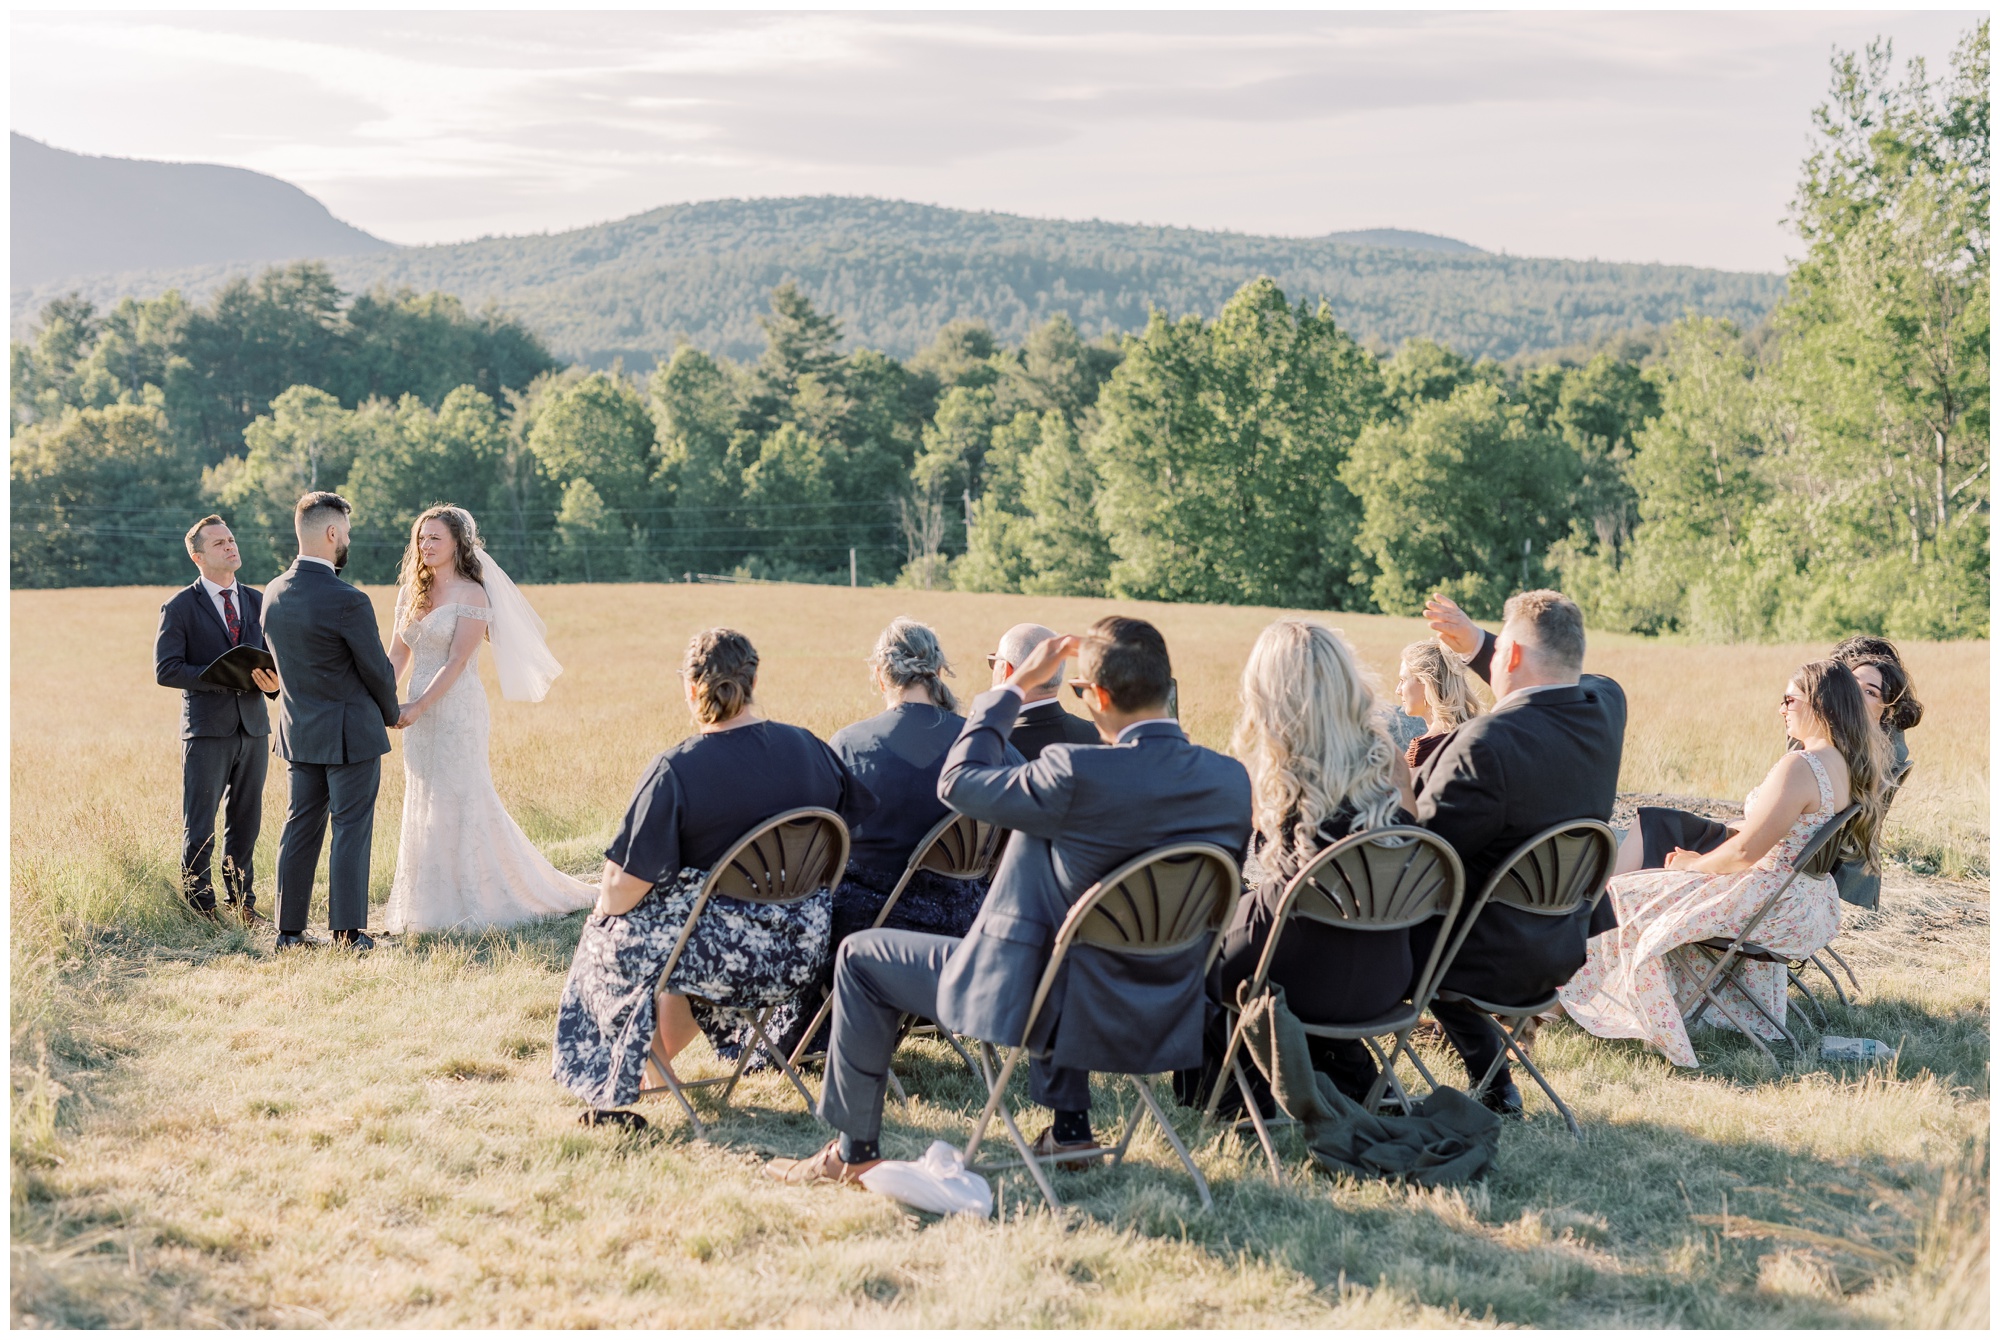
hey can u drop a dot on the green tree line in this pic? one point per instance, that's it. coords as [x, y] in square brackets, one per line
[1825, 473]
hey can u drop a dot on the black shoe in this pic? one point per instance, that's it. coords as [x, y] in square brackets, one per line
[359, 941]
[1501, 1096]
[631, 1121]
[286, 940]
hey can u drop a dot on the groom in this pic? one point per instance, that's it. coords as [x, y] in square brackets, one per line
[339, 697]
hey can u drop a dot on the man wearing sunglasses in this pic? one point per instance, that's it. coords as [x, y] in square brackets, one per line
[1042, 720]
[1076, 813]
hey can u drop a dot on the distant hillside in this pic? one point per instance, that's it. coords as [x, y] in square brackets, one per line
[78, 215]
[895, 272]
[1404, 239]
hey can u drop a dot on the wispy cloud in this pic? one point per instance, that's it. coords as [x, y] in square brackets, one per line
[1636, 136]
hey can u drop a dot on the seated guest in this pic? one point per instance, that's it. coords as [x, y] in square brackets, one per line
[1043, 721]
[1077, 812]
[1321, 769]
[898, 755]
[1885, 683]
[1431, 685]
[1641, 974]
[1885, 688]
[1547, 753]
[692, 805]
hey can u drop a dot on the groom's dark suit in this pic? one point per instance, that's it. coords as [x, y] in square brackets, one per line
[339, 700]
[224, 741]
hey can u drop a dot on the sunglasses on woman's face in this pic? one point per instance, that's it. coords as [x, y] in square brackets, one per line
[1791, 701]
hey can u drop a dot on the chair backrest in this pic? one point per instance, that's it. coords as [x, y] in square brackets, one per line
[1556, 871]
[789, 857]
[1385, 879]
[1157, 903]
[1820, 855]
[960, 847]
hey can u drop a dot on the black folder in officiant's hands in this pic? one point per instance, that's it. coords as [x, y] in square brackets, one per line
[231, 670]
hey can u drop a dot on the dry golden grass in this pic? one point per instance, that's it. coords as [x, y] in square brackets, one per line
[205, 1133]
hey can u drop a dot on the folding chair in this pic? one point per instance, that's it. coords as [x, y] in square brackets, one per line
[786, 860]
[1819, 957]
[1386, 879]
[957, 847]
[1556, 873]
[1727, 954]
[1152, 906]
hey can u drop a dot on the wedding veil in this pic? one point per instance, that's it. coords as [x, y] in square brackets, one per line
[521, 652]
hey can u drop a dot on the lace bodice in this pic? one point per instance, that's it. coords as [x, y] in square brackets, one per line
[1784, 854]
[429, 640]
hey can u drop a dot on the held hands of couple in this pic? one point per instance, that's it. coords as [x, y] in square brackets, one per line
[408, 716]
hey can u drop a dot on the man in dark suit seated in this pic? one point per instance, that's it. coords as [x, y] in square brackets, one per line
[225, 735]
[1547, 753]
[1077, 813]
[1042, 720]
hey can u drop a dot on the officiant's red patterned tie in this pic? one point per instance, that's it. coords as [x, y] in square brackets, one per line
[229, 617]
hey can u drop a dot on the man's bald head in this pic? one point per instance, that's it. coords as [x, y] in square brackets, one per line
[1015, 645]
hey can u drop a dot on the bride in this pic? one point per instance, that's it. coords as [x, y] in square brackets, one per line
[463, 863]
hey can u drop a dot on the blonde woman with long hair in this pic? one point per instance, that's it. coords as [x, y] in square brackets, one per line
[1322, 767]
[1432, 685]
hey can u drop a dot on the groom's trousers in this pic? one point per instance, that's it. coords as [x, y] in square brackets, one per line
[346, 793]
[878, 977]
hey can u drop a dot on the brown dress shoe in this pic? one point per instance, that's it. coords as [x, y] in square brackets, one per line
[825, 1166]
[1078, 1154]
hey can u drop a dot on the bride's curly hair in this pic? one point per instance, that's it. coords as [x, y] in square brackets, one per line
[416, 579]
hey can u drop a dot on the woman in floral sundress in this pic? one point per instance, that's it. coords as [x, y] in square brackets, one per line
[1641, 975]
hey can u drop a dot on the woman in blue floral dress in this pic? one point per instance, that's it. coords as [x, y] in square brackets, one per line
[693, 804]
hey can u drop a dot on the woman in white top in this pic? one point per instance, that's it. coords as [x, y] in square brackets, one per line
[463, 864]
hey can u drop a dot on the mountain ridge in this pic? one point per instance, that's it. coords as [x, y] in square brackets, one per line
[896, 271]
[79, 214]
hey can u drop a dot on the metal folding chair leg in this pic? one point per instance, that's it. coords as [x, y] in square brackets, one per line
[1511, 1042]
[1144, 1085]
[1715, 999]
[1256, 1121]
[1834, 954]
[673, 1086]
[1839, 992]
[1819, 1012]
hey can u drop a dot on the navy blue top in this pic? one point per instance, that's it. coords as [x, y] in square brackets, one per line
[898, 755]
[706, 792]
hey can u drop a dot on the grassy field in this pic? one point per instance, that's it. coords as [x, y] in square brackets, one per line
[204, 1133]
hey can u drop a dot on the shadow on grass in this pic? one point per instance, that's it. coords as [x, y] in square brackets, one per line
[1640, 1223]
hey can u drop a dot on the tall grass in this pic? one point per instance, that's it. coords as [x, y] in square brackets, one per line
[207, 1134]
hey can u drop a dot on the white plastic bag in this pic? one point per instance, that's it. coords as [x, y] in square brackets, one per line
[938, 1182]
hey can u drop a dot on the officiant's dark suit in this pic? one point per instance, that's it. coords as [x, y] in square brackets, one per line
[1544, 756]
[1076, 813]
[225, 740]
[339, 700]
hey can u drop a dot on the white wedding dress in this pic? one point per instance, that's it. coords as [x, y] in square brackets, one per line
[463, 864]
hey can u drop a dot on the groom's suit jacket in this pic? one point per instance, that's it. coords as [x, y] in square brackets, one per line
[1077, 812]
[339, 693]
[192, 635]
[1541, 758]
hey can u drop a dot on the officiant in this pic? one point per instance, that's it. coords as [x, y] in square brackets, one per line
[225, 732]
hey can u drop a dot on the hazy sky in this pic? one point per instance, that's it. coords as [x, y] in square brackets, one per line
[1624, 136]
